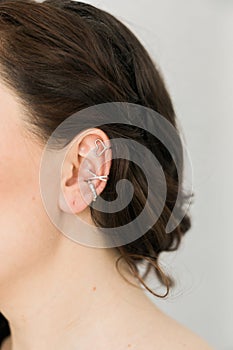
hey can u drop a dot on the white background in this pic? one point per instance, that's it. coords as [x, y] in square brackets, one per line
[192, 41]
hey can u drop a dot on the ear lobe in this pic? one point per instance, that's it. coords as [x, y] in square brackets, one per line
[71, 205]
[74, 194]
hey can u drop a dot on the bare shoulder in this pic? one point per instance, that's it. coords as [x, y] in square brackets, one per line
[178, 337]
[165, 333]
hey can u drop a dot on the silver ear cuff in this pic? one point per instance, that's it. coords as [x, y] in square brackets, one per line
[94, 176]
[93, 190]
[97, 147]
[97, 177]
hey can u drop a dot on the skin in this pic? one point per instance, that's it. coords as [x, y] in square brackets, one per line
[58, 294]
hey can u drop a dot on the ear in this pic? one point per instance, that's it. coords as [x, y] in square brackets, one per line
[75, 193]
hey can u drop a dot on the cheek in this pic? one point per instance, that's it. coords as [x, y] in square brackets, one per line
[24, 225]
[18, 185]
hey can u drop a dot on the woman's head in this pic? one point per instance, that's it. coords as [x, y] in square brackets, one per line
[57, 58]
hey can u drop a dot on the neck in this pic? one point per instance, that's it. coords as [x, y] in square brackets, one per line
[69, 300]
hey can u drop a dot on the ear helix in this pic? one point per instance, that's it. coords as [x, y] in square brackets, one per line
[94, 176]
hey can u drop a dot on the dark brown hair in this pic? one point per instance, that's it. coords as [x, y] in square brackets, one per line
[62, 56]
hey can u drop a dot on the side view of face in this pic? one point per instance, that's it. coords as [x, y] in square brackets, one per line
[28, 237]
[23, 239]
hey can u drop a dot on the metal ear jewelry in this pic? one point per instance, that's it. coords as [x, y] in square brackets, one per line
[103, 145]
[94, 176]
[93, 190]
[91, 185]
[97, 177]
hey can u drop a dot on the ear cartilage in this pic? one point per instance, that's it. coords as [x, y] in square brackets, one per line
[97, 147]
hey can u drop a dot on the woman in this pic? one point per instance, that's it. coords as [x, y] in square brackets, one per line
[57, 58]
